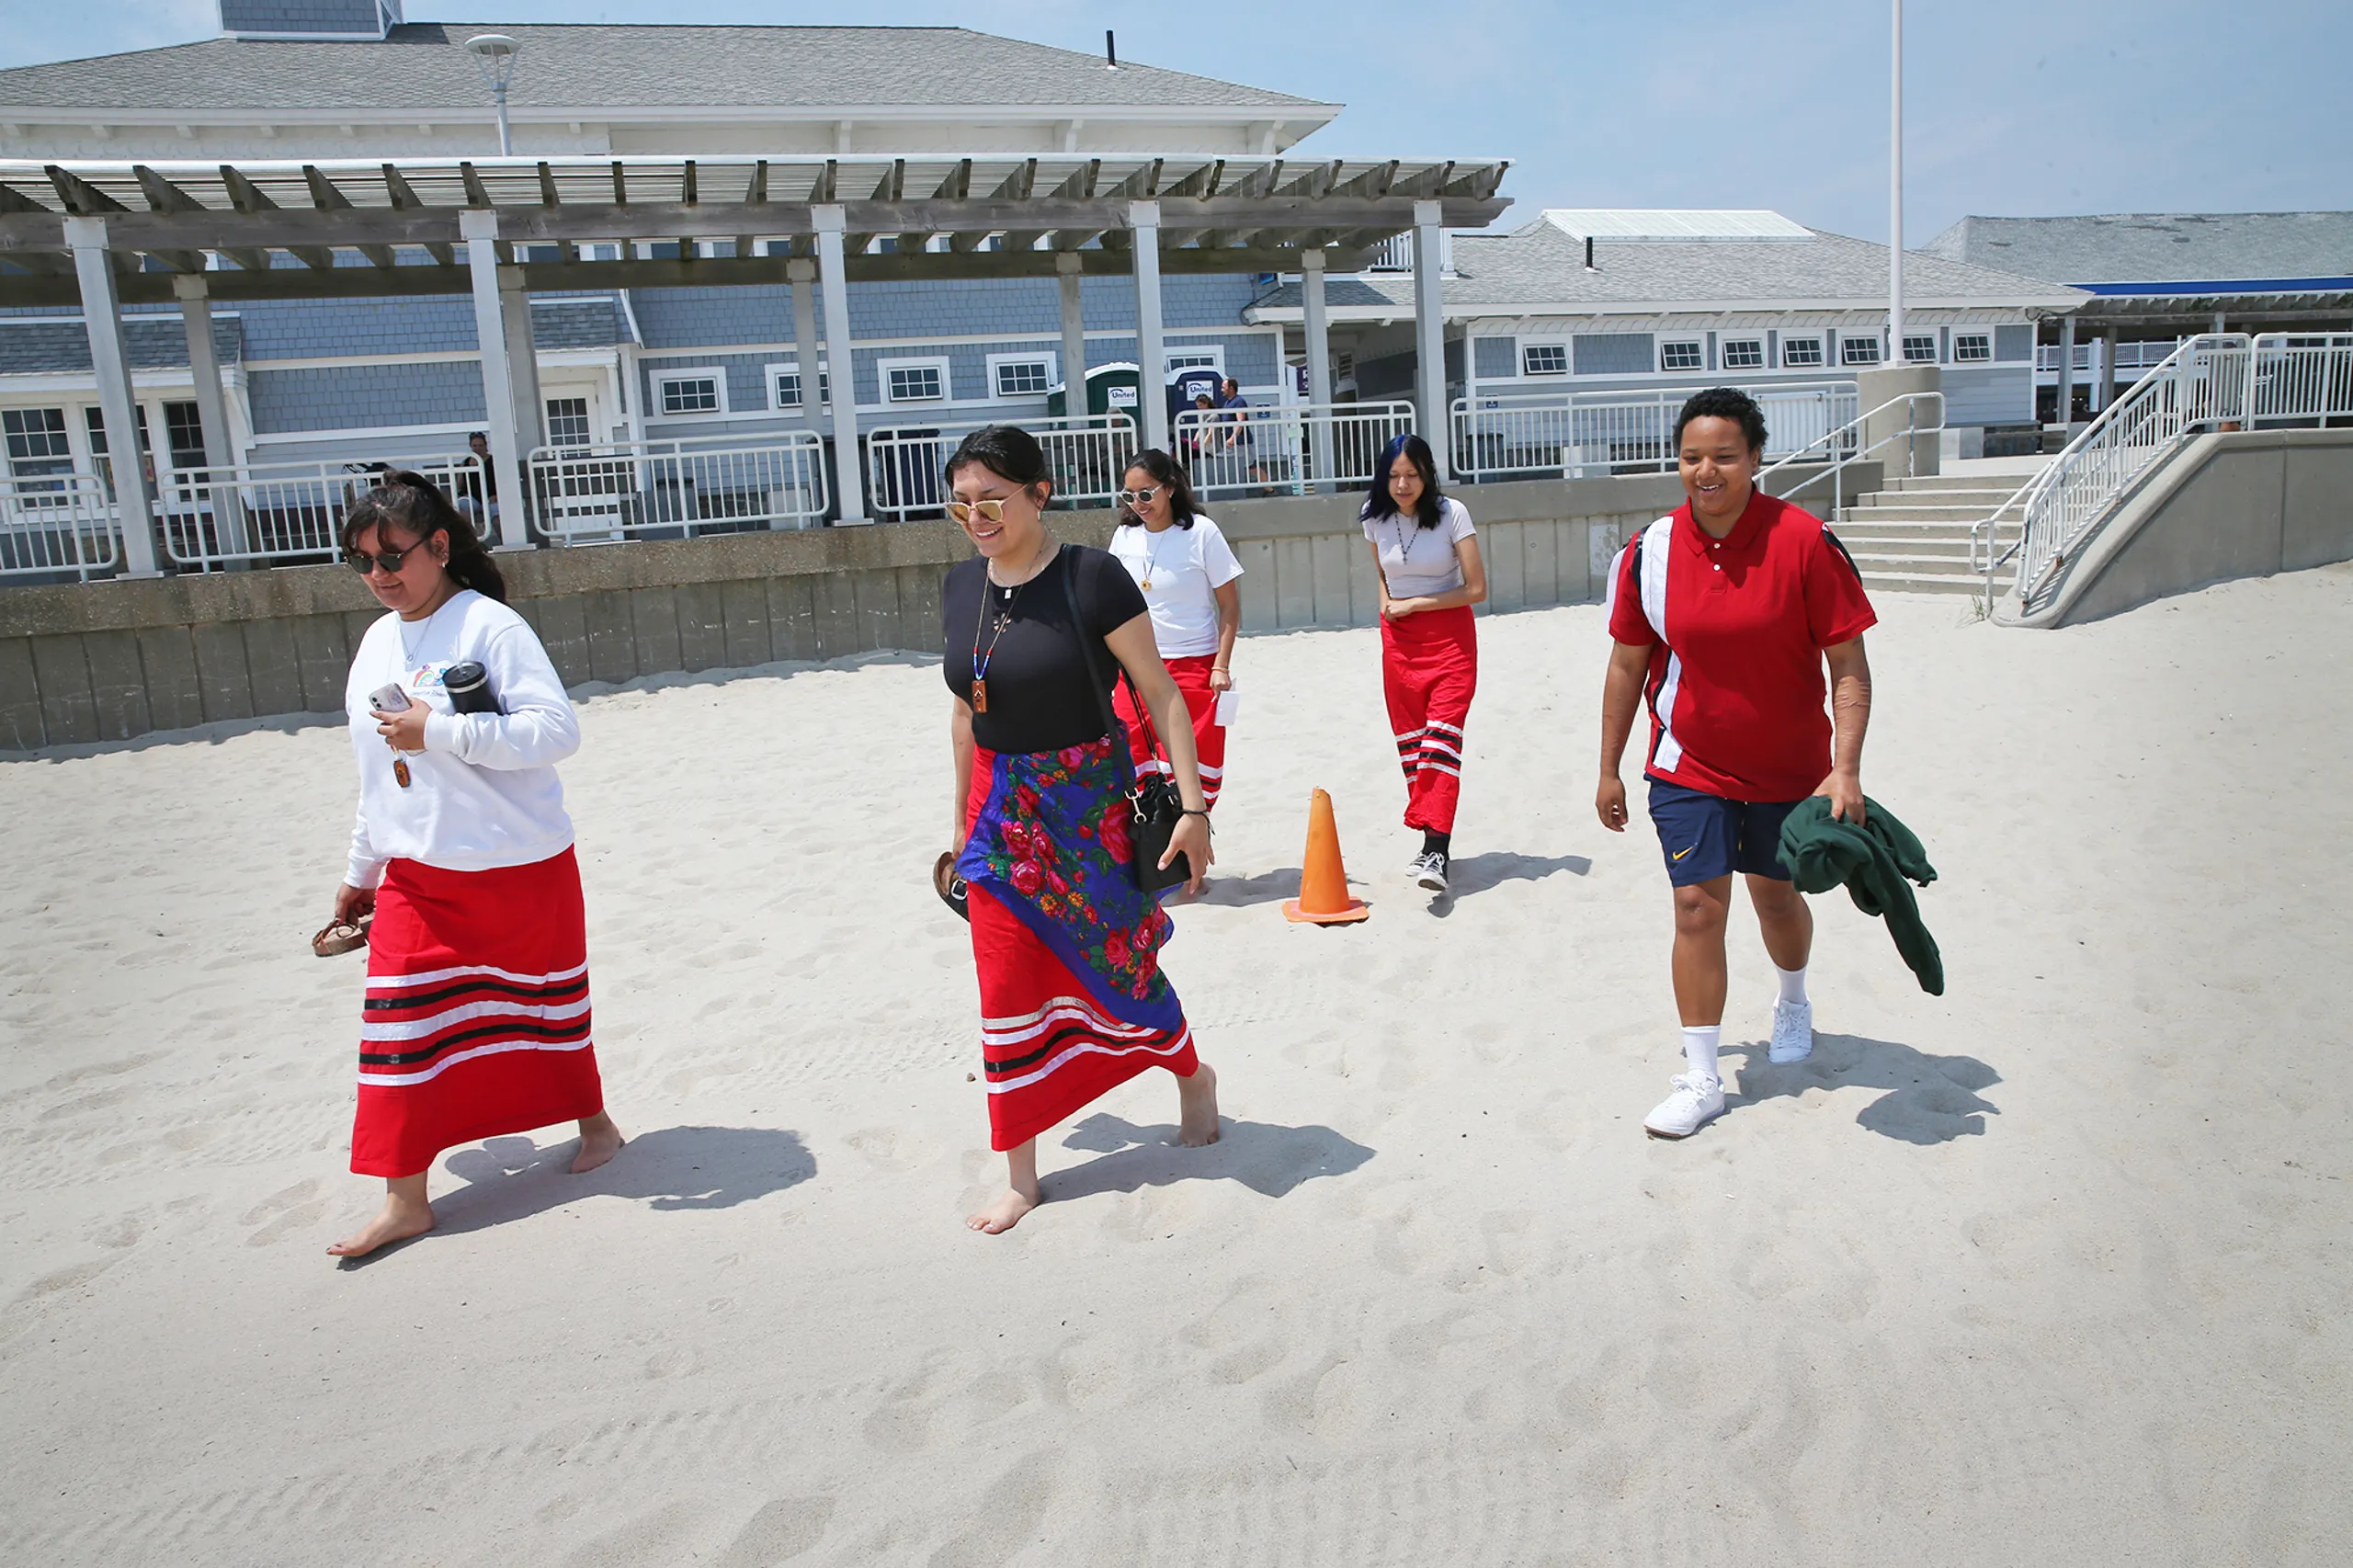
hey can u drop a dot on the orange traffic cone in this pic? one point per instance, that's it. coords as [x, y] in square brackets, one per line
[1323, 884]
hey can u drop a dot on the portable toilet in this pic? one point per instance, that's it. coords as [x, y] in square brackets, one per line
[1192, 381]
[1109, 389]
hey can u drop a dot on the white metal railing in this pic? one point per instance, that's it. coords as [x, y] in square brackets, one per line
[1086, 453]
[284, 512]
[677, 488]
[1908, 418]
[2297, 377]
[2208, 383]
[1285, 447]
[56, 525]
[1587, 435]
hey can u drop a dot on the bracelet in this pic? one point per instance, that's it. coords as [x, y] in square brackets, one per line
[1202, 813]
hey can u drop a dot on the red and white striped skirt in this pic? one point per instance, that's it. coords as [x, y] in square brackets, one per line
[1429, 671]
[477, 1023]
[1192, 677]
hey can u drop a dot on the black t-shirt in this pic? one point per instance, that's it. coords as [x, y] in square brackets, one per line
[1039, 695]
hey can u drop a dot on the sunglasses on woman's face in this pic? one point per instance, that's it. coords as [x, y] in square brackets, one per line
[965, 511]
[389, 560]
[1139, 497]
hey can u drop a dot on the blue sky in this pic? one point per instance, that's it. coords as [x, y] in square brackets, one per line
[2012, 106]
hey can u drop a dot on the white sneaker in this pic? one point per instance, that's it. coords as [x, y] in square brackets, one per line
[1792, 1032]
[1429, 869]
[1697, 1100]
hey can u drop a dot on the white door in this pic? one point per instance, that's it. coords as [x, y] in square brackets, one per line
[581, 486]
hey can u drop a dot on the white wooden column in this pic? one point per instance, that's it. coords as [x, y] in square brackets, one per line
[479, 227]
[2107, 346]
[833, 279]
[1319, 364]
[1067, 273]
[1151, 360]
[1430, 330]
[102, 314]
[195, 296]
[522, 362]
[2066, 402]
[802, 272]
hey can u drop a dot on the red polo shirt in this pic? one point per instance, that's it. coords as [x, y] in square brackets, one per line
[1737, 626]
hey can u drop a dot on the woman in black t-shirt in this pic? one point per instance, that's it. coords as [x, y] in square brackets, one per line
[1073, 1002]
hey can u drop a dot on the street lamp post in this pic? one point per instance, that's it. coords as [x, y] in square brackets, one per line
[495, 54]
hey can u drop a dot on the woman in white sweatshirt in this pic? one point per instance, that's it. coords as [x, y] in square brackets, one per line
[476, 1022]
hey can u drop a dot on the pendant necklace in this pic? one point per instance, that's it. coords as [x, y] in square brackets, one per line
[408, 655]
[1150, 560]
[981, 656]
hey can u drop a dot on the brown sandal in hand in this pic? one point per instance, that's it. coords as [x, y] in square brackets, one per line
[949, 885]
[342, 935]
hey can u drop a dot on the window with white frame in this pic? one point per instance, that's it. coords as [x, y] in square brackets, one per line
[1682, 353]
[1798, 353]
[1858, 351]
[1543, 359]
[1743, 353]
[784, 385]
[1972, 347]
[913, 380]
[1020, 375]
[1920, 348]
[1198, 359]
[681, 394]
[37, 449]
[567, 422]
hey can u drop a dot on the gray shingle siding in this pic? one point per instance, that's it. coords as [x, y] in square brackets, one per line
[1988, 395]
[156, 342]
[1613, 354]
[1496, 356]
[355, 17]
[2013, 343]
[312, 329]
[365, 396]
[577, 323]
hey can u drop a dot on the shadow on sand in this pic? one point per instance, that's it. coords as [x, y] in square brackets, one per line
[1473, 873]
[1928, 1099]
[1261, 1157]
[671, 1168]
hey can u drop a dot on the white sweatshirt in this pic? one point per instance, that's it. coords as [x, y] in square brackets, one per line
[484, 792]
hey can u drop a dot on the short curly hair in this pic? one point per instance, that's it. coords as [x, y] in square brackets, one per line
[1724, 402]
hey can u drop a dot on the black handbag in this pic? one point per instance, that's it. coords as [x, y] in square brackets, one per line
[1157, 805]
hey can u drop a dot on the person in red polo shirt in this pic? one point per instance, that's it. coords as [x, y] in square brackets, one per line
[1724, 614]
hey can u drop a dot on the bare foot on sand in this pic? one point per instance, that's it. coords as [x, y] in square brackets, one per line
[401, 1218]
[1002, 1215]
[1197, 1126]
[599, 1141]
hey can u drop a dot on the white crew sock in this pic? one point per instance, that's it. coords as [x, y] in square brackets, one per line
[1700, 1049]
[1792, 983]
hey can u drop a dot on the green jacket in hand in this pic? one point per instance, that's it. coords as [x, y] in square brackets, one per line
[1873, 861]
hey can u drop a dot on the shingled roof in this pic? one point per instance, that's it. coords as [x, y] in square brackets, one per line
[423, 65]
[1538, 269]
[2159, 247]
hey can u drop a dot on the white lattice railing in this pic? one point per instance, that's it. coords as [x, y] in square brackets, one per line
[1590, 435]
[678, 488]
[1285, 447]
[1086, 455]
[55, 526]
[283, 513]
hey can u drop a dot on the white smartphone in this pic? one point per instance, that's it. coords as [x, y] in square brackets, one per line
[387, 699]
[1229, 704]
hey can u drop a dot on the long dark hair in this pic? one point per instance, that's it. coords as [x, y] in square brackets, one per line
[1378, 503]
[416, 506]
[1007, 451]
[1167, 470]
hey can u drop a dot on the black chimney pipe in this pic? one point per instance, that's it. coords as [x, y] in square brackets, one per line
[1110, 51]
[1588, 254]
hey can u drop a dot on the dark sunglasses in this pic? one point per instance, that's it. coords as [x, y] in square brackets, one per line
[391, 560]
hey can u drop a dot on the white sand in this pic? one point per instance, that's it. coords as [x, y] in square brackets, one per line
[2052, 1269]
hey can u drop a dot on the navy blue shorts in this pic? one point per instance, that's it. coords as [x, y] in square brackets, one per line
[1705, 836]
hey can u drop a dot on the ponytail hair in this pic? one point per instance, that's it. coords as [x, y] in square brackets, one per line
[418, 508]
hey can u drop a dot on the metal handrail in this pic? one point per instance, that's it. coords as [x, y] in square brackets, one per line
[1086, 454]
[1566, 433]
[678, 487]
[1846, 445]
[57, 525]
[214, 518]
[1285, 447]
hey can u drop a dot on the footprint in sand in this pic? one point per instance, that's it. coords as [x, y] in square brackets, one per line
[285, 1211]
[780, 1529]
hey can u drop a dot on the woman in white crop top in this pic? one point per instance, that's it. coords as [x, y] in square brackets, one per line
[1190, 582]
[1427, 557]
[476, 1022]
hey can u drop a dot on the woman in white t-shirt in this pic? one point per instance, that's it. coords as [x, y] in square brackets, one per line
[476, 1022]
[1188, 574]
[1425, 550]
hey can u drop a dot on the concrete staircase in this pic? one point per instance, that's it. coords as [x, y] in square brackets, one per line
[1913, 536]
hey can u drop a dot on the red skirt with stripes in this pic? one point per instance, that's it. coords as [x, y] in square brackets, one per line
[1429, 671]
[477, 1023]
[1192, 677]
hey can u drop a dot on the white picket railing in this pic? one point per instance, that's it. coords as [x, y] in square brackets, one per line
[2211, 383]
[1589, 435]
[1908, 418]
[1086, 455]
[57, 525]
[1285, 447]
[677, 488]
[283, 513]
